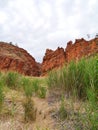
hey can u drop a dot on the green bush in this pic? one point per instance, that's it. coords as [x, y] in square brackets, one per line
[36, 85]
[75, 78]
[27, 86]
[12, 80]
[28, 105]
[56, 79]
[75, 84]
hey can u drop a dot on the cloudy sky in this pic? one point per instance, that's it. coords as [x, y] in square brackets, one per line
[39, 24]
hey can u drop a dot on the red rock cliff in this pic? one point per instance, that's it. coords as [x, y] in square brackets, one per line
[81, 48]
[53, 59]
[17, 59]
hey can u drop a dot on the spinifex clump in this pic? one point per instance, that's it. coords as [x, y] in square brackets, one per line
[29, 109]
[12, 80]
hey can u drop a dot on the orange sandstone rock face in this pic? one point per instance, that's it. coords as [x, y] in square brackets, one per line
[81, 48]
[53, 59]
[13, 58]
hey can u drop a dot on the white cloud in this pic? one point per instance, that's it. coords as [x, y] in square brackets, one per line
[39, 24]
[2, 17]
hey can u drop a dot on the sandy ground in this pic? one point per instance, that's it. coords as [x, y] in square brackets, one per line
[13, 113]
[12, 116]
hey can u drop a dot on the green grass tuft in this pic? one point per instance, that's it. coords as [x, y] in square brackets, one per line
[12, 80]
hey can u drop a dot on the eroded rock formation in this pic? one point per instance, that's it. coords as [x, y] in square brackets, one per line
[17, 59]
[53, 59]
[81, 48]
[74, 51]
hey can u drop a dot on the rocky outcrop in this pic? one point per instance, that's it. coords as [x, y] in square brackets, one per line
[74, 51]
[13, 58]
[53, 59]
[81, 48]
